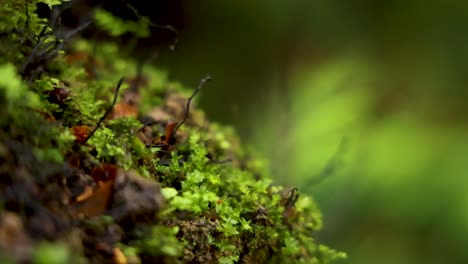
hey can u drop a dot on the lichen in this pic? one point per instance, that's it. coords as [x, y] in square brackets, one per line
[221, 204]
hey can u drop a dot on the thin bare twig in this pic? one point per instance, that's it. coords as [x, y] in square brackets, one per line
[147, 21]
[187, 109]
[189, 101]
[116, 95]
[46, 51]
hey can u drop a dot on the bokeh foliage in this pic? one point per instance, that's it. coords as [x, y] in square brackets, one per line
[387, 79]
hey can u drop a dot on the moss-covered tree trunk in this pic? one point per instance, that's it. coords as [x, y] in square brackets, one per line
[97, 170]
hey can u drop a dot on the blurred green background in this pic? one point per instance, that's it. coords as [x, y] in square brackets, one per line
[359, 103]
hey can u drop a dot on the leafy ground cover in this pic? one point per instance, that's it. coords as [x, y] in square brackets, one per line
[105, 160]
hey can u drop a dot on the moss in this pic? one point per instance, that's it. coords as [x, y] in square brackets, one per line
[221, 204]
[55, 253]
[116, 26]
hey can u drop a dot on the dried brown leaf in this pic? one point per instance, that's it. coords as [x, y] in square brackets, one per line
[81, 133]
[119, 257]
[87, 193]
[98, 202]
[123, 110]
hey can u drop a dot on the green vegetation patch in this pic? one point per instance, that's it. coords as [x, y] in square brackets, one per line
[100, 170]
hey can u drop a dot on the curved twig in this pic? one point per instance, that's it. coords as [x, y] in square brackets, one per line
[147, 21]
[116, 94]
[189, 101]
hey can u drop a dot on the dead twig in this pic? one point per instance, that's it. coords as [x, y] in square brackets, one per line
[189, 101]
[147, 21]
[45, 51]
[116, 95]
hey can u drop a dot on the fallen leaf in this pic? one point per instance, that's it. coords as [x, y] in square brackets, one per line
[124, 109]
[104, 172]
[87, 193]
[169, 130]
[127, 196]
[98, 202]
[81, 133]
[119, 257]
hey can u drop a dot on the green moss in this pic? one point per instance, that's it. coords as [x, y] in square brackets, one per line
[55, 253]
[116, 26]
[222, 206]
[159, 241]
